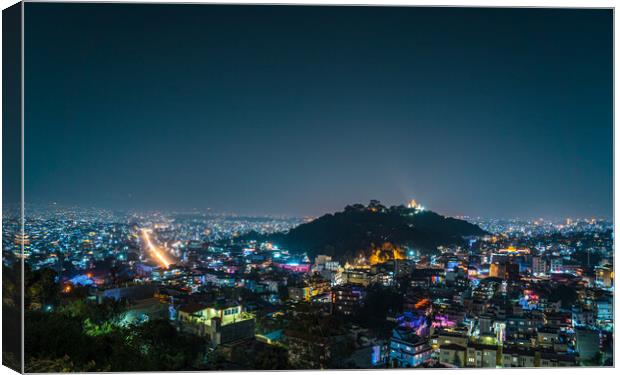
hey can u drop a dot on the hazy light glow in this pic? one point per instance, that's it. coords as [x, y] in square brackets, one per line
[154, 249]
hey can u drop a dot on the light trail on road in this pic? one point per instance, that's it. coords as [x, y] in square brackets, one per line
[153, 249]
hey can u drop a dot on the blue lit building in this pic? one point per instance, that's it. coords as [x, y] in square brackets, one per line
[408, 349]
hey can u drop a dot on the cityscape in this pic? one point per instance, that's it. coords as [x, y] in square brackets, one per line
[518, 293]
[192, 187]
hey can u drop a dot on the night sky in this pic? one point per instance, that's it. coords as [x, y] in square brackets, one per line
[302, 110]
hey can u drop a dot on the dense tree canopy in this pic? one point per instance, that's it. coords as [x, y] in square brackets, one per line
[360, 228]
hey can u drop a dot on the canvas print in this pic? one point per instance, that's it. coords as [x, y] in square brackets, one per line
[277, 187]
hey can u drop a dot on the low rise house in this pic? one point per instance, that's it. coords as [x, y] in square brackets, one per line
[221, 321]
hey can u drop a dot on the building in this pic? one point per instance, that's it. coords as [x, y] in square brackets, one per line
[552, 359]
[447, 338]
[497, 270]
[22, 241]
[355, 276]
[426, 277]
[547, 337]
[408, 349]
[513, 356]
[504, 270]
[557, 265]
[539, 266]
[369, 354]
[130, 292]
[325, 262]
[309, 351]
[485, 323]
[605, 311]
[347, 299]
[587, 343]
[583, 316]
[221, 322]
[481, 355]
[452, 355]
[605, 276]
[318, 285]
[299, 293]
[521, 326]
[143, 310]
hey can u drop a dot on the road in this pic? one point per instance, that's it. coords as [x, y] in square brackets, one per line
[154, 250]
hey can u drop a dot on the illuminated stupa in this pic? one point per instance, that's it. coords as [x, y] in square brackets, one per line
[415, 205]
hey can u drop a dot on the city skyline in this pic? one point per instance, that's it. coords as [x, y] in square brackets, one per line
[474, 112]
[50, 207]
[193, 187]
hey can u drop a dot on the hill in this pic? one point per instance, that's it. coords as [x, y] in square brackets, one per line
[373, 229]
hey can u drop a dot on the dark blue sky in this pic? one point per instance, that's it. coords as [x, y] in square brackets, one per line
[302, 110]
